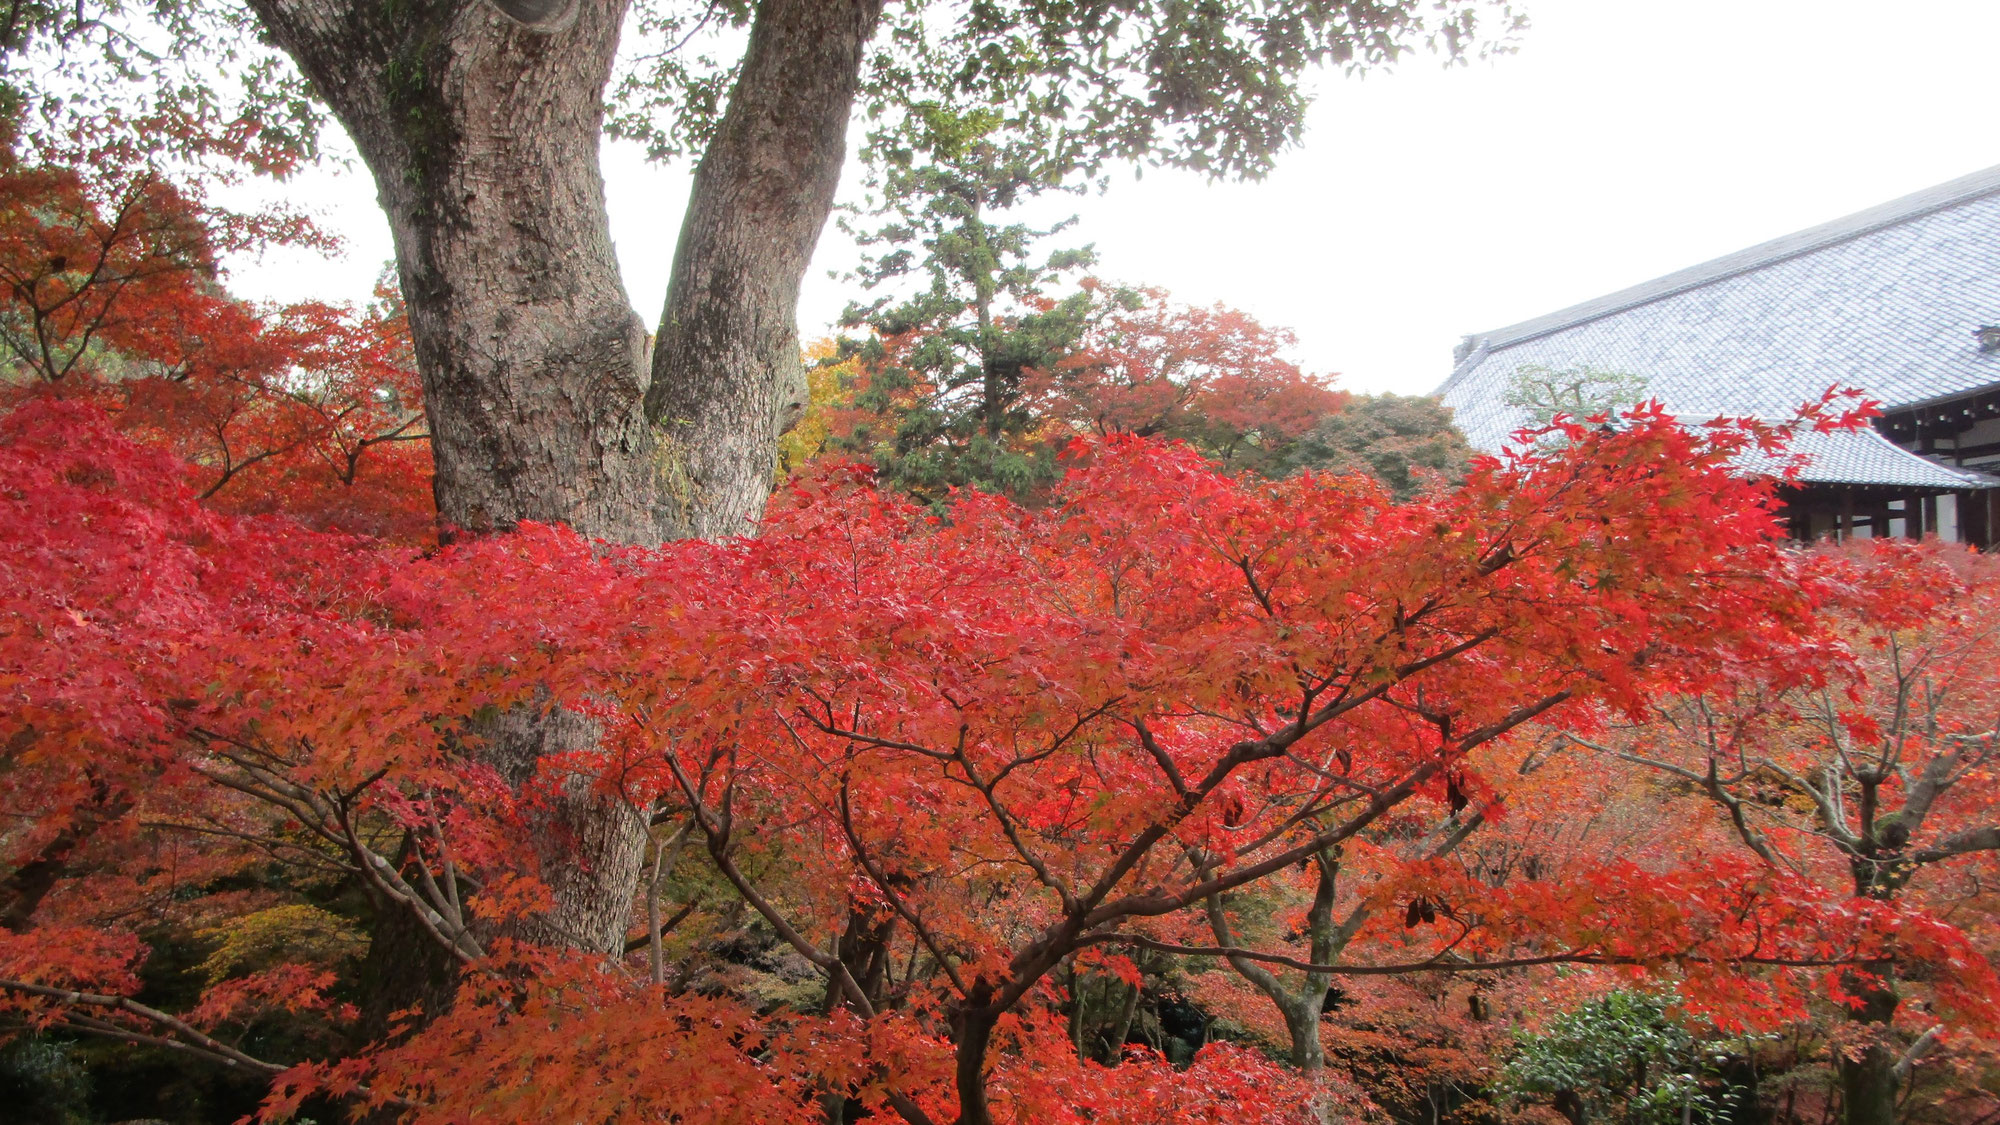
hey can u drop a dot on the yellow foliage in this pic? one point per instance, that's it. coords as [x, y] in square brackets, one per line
[297, 934]
[828, 386]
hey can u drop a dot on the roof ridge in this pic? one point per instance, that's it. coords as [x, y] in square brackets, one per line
[1931, 200]
[1469, 355]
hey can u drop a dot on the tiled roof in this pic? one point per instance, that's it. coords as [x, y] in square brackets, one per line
[1866, 457]
[1886, 300]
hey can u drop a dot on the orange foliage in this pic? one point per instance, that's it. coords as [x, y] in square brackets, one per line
[1211, 375]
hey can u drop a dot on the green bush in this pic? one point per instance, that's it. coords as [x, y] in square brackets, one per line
[1625, 1057]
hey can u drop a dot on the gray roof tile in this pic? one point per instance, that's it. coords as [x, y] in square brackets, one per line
[1886, 300]
[1866, 457]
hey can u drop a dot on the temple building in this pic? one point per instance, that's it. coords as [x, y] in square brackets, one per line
[1901, 301]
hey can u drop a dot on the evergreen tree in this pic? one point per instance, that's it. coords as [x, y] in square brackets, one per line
[971, 304]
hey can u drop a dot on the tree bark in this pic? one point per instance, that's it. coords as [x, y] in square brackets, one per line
[481, 130]
[973, 1034]
[1301, 1008]
[726, 372]
[1121, 1032]
[480, 122]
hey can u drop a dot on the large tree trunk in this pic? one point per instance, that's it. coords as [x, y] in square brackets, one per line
[481, 130]
[480, 121]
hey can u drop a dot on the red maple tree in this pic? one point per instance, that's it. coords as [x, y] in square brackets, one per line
[1873, 778]
[110, 290]
[941, 759]
[1212, 376]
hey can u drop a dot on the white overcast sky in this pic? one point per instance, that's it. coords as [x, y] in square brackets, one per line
[1626, 139]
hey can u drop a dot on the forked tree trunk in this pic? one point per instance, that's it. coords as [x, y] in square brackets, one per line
[1303, 1005]
[480, 121]
[481, 131]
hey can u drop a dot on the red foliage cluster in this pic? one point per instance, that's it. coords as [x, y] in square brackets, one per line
[1213, 375]
[1004, 740]
[109, 291]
